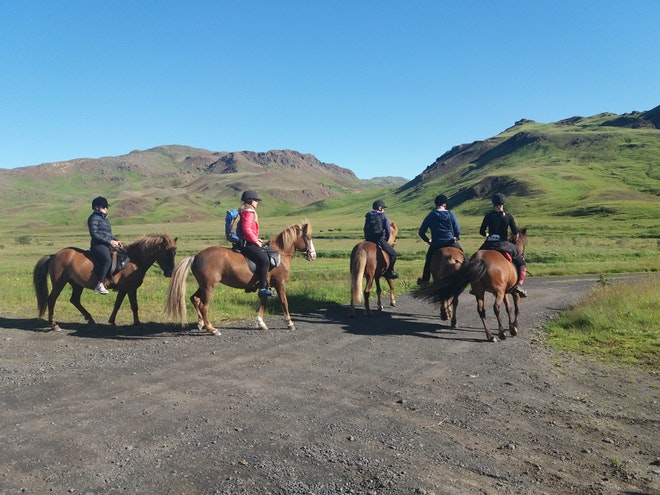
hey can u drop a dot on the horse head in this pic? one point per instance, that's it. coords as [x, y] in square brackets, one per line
[154, 248]
[307, 249]
[394, 230]
[166, 254]
[521, 240]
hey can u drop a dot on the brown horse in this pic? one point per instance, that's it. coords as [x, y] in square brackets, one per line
[487, 271]
[220, 264]
[368, 260]
[444, 262]
[74, 266]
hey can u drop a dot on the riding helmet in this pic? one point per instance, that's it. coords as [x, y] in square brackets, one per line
[99, 202]
[499, 199]
[248, 196]
[379, 203]
[440, 199]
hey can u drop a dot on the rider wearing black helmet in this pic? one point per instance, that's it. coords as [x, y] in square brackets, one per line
[252, 244]
[496, 225]
[102, 240]
[378, 218]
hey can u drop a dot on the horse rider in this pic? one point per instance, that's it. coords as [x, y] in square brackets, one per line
[445, 232]
[251, 243]
[377, 229]
[494, 227]
[102, 240]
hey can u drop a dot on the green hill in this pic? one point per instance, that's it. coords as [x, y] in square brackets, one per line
[594, 171]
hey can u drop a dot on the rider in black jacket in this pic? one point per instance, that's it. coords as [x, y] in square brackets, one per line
[102, 240]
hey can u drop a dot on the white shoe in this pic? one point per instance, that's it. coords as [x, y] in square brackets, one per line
[100, 288]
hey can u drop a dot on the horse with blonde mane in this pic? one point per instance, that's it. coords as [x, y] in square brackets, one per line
[217, 264]
[370, 261]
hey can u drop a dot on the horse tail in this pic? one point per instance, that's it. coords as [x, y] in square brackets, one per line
[358, 264]
[175, 307]
[40, 282]
[453, 284]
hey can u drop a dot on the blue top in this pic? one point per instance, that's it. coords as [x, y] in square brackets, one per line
[443, 224]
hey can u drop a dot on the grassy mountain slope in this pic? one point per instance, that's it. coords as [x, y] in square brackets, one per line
[600, 167]
[170, 183]
[591, 172]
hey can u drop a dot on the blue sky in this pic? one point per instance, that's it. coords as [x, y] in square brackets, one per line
[379, 87]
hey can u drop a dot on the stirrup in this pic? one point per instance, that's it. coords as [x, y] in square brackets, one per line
[265, 292]
[519, 289]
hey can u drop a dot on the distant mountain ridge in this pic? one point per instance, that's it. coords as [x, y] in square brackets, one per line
[567, 167]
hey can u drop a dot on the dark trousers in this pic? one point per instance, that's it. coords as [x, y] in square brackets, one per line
[389, 250]
[260, 258]
[426, 273]
[102, 260]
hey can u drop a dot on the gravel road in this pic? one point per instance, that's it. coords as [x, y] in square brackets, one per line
[393, 404]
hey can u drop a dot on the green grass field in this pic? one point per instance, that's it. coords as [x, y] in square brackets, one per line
[326, 281]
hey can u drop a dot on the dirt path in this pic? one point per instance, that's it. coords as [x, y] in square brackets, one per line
[395, 404]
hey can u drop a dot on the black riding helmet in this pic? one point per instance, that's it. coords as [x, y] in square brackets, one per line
[378, 204]
[249, 195]
[499, 199]
[99, 202]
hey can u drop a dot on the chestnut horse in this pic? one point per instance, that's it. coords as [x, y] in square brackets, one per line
[220, 264]
[487, 271]
[74, 266]
[444, 262]
[370, 261]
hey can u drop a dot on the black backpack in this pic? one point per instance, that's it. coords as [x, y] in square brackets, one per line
[373, 227]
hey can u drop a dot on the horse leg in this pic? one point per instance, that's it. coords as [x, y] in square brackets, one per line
[204, 303]
[378, 292]
[132, 298]
[263, 301]
[482, 314]
[75, 300]
[454, 303]
[367, 292]
[281, 293]
[499, 298]
[200, 301]
[513, 327]
[113, 316]
[392, 300]
[52, 299]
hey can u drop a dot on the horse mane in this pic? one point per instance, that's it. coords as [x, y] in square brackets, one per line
[288, 236]
[149, 244]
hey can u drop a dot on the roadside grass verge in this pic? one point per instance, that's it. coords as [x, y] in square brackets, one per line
[617, 323]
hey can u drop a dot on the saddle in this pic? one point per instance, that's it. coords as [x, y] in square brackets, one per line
[119, 261]
[274, 257]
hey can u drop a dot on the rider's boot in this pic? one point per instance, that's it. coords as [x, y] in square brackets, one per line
[522, 271]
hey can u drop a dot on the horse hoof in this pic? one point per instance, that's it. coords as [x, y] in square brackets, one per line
[201, 326]
[215, 331]
[502, 336]
[291, 326]
[91, 321]
[393, 304]
[56, 328]
[514, 332]
[492, 338]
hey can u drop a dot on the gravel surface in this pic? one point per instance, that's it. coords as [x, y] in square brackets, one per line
[393, 404]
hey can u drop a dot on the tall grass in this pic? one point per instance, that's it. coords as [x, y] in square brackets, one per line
[618, 322]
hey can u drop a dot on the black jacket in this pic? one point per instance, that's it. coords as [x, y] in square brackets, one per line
[99, 229]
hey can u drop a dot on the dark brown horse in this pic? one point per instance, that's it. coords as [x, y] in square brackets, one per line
[487, 271]
[444, 262]
[74, 266]
[368, 260]
[217, 264]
